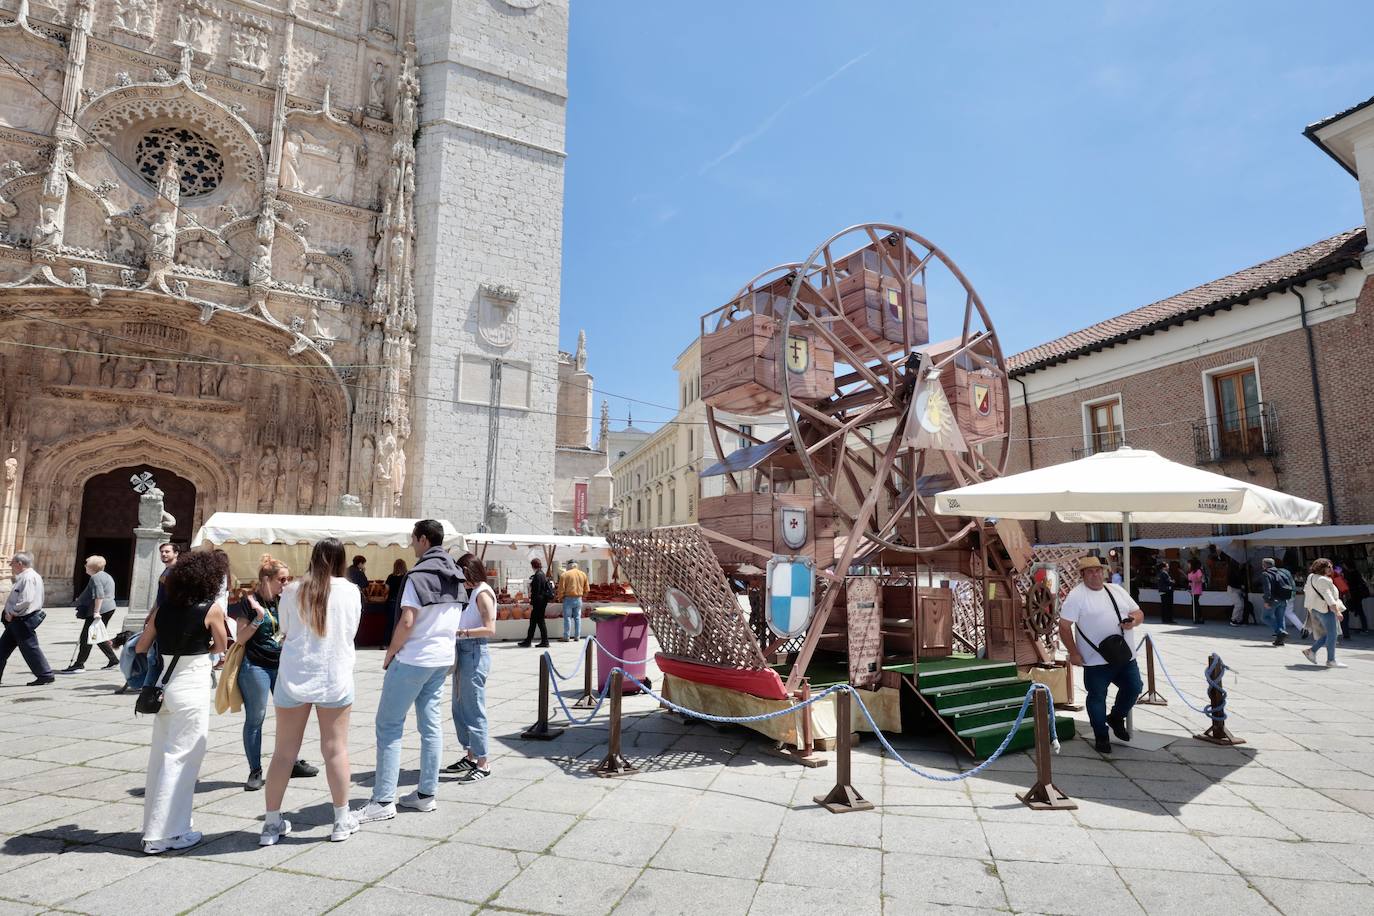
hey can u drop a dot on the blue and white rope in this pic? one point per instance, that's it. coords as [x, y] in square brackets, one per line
[1202, 711]
[1001, 748]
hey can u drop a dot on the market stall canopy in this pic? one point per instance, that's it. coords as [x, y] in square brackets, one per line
[1317, 536]
[256, 528]
[493, 548]
[1135, 482]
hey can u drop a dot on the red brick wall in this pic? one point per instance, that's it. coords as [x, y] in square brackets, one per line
[1159, 406]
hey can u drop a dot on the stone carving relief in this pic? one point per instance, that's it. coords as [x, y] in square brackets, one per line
[384, 16]
[196, 25]
[135, 15]
[31, 61]
[376, 88]
[498, 314]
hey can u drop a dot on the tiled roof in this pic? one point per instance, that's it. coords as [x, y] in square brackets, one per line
[1336, 253]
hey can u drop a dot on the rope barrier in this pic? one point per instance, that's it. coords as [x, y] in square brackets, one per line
[1202, 711]
[1020, 715]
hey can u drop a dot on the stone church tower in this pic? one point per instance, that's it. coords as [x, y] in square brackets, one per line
[489, 213]
[239, 237]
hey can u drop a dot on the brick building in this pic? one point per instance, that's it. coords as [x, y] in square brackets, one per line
[1262, 375]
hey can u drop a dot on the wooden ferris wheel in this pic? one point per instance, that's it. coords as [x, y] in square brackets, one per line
[872, 418]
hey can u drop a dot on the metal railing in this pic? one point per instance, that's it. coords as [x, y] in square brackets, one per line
[1252, 433]
[1105, 441]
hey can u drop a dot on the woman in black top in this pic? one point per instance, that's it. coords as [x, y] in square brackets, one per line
[258, 630]
[186, 626]
[395, 583]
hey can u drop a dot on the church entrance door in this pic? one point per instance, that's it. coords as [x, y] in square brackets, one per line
[109, 514]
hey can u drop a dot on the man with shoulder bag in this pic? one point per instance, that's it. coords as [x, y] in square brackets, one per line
[22, 616]
[1095, 625]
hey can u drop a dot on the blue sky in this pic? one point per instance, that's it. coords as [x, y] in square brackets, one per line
[1076, 160]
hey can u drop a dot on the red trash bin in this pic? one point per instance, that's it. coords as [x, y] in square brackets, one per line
[624, 632]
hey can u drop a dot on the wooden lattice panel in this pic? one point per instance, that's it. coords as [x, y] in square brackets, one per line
[681, 557]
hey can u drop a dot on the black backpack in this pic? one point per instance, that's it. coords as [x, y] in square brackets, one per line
[1280, 583]
[549, 589]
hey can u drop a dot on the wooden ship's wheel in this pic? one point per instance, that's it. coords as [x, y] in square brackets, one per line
[836, 420]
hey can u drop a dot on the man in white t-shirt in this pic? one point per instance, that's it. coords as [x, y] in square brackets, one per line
[417, 662]
[1093, 612]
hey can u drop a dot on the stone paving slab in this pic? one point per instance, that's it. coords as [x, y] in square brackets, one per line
[1283, 823]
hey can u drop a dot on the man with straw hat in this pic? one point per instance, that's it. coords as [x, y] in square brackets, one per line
[1094, 624]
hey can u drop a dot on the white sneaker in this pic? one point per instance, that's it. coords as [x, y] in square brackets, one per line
[375, 811]
[185, 841]
[1335, 664]
[1309, 655]
[416, 802]
[345, 828]
[271, 833]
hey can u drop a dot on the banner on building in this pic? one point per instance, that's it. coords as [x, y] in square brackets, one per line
[579, 505]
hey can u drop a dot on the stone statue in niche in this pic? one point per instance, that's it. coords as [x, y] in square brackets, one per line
[398, 478]
[309, 472]
[167, 380]
[366, 452]
[146, 379]
[382, 16]
[376, 87]
[191, 30]
[268, 468]
[289, 177]
[48, 233]
[212, 373]
[11, 475]
[235, 387]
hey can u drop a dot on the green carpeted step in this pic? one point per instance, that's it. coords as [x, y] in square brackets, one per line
[1004, 712]
[986, 697]
[964, 674]
[987, 739]
[995, 680]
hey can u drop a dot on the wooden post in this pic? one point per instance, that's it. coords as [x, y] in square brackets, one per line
[614, 764]
[805, 749]
[1044, 795]
[843, 798]
[1217, 732]
[541, 730]
[1152, 696]
[588, 698]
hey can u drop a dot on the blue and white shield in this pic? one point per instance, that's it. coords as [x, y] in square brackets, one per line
[791, 594]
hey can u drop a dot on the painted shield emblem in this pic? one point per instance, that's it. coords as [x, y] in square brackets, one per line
[793, 521]
[798, 354]
[683, 612]
[982, 398]
[791, 595]
[894, 304]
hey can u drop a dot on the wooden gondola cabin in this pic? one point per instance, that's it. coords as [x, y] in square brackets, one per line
[877, 299]
[740, 371]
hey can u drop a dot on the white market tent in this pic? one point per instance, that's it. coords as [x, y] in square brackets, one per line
[1125, 486]
[495, 548]
[245, 536]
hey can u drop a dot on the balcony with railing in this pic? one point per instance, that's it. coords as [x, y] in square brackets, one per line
[1108, 440]
[1250, 432]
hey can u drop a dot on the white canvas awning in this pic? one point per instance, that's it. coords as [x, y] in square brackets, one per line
[495, 548]
[257, 528]
[1316, 536]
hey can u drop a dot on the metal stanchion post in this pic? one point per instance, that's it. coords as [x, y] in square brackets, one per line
[588, 698]
[541, 730]
[1044, 795]
[843, 798]
[1152, 697]
[614, 764]
[1217, 732]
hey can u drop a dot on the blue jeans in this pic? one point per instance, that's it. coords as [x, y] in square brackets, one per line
[404, 686]
[1096, 680]
[256, 685]
[1279, 609]
[1328, 619]
[470, 695]
[572, 617]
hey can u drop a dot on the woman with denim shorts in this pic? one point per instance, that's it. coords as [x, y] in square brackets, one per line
[319, 617]
[256, 616]
[475, 628]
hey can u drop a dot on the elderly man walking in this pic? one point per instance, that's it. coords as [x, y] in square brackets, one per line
[22, 616]
[572, 586]
[1095, 623]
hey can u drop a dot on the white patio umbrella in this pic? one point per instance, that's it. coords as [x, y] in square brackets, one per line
[1128, 485]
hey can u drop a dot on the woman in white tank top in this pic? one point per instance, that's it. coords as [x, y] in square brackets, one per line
[475, 628]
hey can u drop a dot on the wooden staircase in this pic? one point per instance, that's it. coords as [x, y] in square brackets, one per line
[978, 701]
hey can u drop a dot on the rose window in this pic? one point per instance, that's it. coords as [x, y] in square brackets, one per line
[199, 164]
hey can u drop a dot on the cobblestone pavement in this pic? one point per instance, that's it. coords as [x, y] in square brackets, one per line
[713, 825]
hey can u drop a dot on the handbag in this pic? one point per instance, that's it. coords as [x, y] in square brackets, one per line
[1115, 650]
[228, 697]
[150, 698]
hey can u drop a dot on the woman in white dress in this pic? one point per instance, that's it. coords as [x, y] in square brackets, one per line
[187, 626]
[318, 618]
